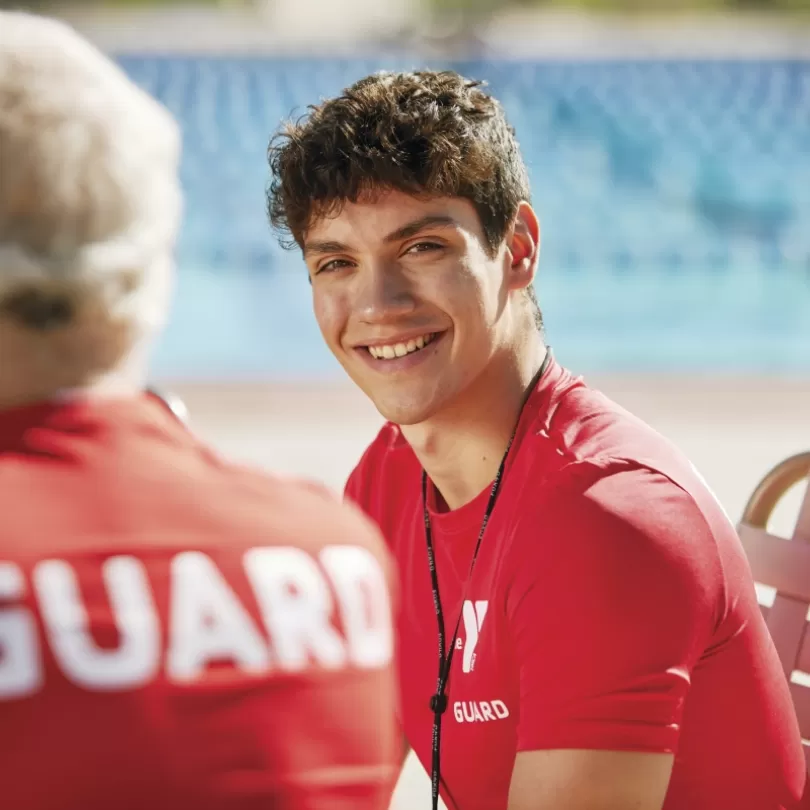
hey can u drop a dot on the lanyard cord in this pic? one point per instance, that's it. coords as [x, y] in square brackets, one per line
[438, 702]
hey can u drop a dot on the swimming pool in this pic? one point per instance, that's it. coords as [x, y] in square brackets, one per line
[674, 198]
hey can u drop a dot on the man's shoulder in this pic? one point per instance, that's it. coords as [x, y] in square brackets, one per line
[589, 460]
[617, 510]
[586, 427]
[621, 525]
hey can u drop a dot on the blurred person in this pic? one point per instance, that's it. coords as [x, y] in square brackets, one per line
[599, 639]
[175, 632]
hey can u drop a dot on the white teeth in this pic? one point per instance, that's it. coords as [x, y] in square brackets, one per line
[393, 350]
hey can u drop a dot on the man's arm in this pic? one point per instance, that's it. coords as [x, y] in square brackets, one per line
[613, 600]
[589, 780]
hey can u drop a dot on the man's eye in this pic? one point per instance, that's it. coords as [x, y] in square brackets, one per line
[425, 247]
[335, 264]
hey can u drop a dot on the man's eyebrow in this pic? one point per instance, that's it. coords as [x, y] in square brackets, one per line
[421, 224]
[324, 247]
[405, 232]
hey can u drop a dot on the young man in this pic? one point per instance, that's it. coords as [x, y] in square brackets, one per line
[175, 632]
[606, 648]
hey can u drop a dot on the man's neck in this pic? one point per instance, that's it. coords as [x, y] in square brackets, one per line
[462, 447]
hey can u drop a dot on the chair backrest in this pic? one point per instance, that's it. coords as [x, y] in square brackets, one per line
[784, 565]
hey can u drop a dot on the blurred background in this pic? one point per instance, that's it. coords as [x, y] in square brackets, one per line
[669, 149]
[668, 145]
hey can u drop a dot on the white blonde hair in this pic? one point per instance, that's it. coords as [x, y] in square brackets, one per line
[90, 201]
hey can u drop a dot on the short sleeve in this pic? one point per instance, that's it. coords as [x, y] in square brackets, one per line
[612, 601]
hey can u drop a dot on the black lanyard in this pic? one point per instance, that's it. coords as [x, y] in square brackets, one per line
[438, 703]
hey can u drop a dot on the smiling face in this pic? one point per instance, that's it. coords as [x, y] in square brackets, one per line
[408, 194]
[410, 300]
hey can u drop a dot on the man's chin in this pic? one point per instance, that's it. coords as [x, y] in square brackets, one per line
[405, 413]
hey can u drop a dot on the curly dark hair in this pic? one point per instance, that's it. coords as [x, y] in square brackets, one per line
[426, 133]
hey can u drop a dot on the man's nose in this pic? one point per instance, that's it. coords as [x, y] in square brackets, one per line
[385, 294]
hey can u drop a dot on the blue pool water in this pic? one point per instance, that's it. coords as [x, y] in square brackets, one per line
[674, 197]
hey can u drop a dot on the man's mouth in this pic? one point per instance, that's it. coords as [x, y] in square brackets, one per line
[391, 351]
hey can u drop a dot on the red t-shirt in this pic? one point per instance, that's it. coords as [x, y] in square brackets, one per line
[179, 633]
[611, 607]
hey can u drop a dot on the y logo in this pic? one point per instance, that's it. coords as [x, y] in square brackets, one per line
[473, 618]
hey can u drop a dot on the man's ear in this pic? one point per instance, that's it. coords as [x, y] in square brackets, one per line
[523, 242]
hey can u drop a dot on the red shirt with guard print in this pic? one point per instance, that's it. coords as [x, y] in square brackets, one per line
[179, 633]
[611, 607]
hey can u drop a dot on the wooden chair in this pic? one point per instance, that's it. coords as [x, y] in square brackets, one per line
[785, 566]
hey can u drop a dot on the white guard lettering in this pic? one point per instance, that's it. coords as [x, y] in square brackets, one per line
[20, 665]
[208, 622]
[365, 607]
[296, 606]
[137, 659]
[479, 711]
